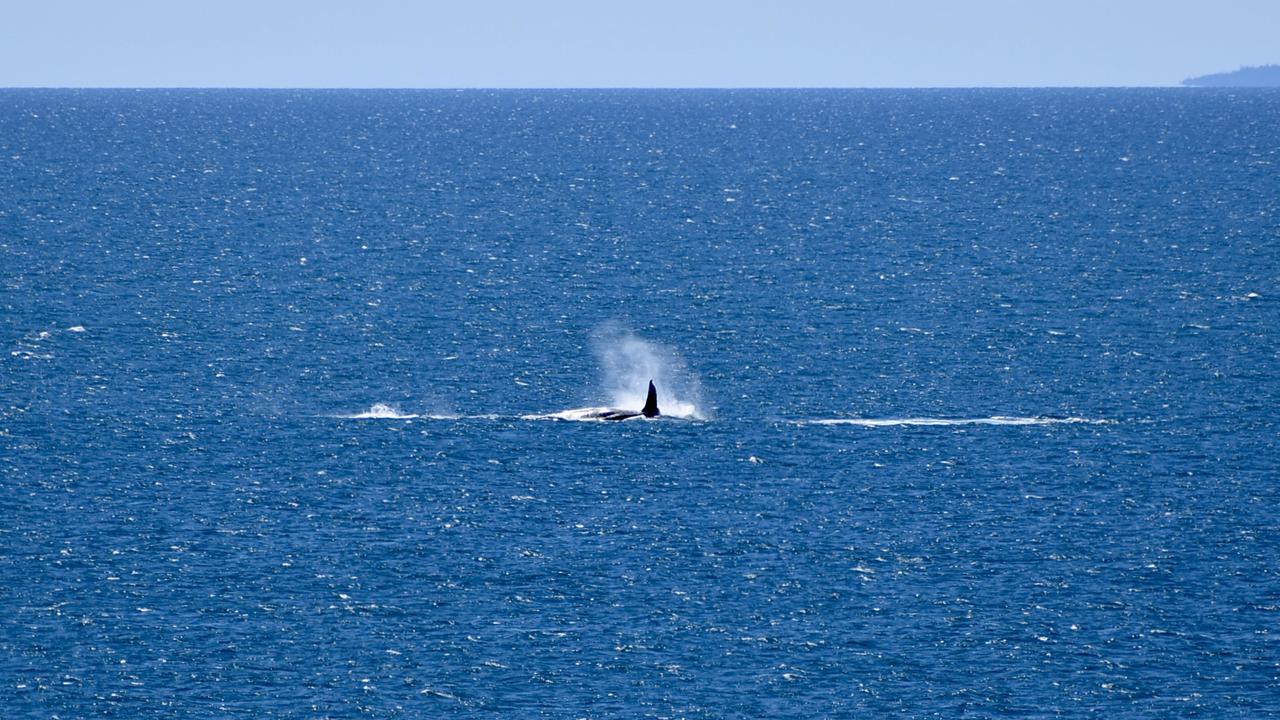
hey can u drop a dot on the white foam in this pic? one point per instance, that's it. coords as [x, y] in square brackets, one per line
[381, 411]
[929, 421]
[585, 413]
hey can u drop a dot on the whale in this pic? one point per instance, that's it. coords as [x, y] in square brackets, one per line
[650, 409]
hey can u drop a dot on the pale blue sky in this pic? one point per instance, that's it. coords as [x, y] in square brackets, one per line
[655, 43]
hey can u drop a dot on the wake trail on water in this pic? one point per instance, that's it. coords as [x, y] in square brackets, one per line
[387, 411]
[628, 363]
[932, 421]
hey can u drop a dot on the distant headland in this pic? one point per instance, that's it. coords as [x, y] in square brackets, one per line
[1256, 76]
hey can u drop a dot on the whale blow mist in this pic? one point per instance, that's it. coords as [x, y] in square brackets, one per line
[628, 363]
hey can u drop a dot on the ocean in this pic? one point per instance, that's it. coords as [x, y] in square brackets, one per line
[969, 403]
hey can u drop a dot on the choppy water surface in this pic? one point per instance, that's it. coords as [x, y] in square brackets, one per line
[969, 404]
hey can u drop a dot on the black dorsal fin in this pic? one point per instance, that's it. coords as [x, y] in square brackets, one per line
[651, 403]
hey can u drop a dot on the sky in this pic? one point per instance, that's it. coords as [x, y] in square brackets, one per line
[649, 43]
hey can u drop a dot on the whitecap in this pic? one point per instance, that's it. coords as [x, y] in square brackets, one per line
[381, 411]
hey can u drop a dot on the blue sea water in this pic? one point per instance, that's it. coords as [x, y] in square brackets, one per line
[975, 398]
